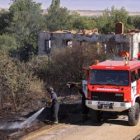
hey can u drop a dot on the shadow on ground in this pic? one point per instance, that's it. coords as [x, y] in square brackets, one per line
[69, 113]
[72, 114]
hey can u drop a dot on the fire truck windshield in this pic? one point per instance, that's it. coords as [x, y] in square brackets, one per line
[109, 77]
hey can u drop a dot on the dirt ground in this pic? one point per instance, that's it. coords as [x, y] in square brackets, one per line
[110, 128]
[67, 106]
[71, 126]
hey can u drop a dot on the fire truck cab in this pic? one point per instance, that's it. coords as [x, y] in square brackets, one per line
[114, 86]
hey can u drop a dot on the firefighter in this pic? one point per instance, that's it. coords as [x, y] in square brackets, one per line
[85, 109]
[54, 105]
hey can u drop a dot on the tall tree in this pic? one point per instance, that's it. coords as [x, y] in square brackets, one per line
[4, 21]
[106, 23]
[14, 1]
[80, 22]
[136, 21]
[55, 4]
[57, 17]
[27, 20]
[8, 43]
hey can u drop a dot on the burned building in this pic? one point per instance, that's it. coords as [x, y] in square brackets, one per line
[119, 40]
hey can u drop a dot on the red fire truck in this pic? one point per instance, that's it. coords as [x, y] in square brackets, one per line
[114, 86]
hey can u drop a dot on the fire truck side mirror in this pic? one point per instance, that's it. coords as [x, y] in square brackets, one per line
[85, 72]
[137, 77]
[133, 77]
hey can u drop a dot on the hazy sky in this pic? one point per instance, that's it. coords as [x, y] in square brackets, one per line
[130, 5]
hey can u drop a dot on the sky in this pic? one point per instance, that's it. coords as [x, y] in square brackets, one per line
[130, 5]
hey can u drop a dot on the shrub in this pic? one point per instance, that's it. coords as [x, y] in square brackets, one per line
[65, 64]
[16, 81]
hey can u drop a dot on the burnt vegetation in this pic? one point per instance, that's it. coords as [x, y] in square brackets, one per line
[23, 74]
[21, 83]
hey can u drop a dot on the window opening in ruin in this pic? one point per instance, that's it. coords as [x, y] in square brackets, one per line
[104, 46]
[47, 46]
[119, 48]
[139, 73]
[69, 43]
[139, 47]
[133, 78]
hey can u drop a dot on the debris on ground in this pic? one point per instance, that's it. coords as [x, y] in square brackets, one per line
[69, 105]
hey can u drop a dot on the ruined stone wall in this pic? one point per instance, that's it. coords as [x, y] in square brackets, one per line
[136, 44]
[114, 43]
[41, 42]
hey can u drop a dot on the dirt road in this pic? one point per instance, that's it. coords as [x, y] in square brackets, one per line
[110, 129]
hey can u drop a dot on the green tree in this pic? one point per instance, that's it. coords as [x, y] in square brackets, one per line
[5, 18]
[14, 1]
[8, 43]
[57, 17]
[81, 22]
[55, 4]
[136, 22]
[106, 23]
[16, 83]
[27, 20]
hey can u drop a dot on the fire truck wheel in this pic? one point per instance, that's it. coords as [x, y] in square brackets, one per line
[96, 116]
[133, 115]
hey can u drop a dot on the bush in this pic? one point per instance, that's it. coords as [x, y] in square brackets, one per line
[65, 64]
[22, 83]
[16, 82]
[8, 43]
